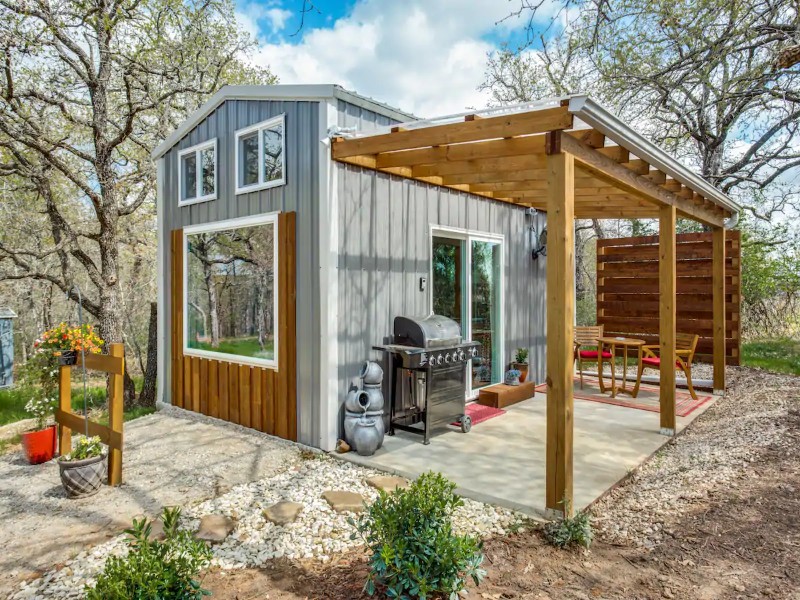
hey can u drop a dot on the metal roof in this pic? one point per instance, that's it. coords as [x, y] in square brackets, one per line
[7, 313]
[319, 92]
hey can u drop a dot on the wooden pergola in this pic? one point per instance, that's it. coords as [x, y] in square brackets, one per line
[571, 159]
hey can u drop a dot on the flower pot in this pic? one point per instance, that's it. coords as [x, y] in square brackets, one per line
[375, 396]
[371, 373]
[68, 357]
[357, 401]
[523, 370]
[367, 437]
[82, 478]
[39, 446]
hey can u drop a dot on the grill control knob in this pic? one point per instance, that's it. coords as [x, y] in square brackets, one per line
[461, 355]
[473, 352]
[439, 359]
[447, 357]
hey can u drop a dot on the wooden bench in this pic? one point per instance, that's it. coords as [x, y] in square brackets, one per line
[501, 395]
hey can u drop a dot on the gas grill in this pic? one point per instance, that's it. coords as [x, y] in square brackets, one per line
[428, 365]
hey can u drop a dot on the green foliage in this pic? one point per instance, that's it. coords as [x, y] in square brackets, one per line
[781, 356]
[155, 570]
[521, 356]
[86, 447]
[586, 310]
[415, 553]
[567, 531]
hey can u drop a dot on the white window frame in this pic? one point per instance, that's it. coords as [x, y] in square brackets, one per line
[197, 150]
[237, 223]
[469, 236]
[259, 127]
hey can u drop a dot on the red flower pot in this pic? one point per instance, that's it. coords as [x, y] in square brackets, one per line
[39, 446]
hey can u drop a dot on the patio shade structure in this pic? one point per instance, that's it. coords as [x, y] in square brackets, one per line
[572, 159]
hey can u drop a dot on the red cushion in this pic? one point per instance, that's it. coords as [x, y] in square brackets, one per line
[655, 362]
[593, 354]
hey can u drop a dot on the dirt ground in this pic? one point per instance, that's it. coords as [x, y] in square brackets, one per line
[741, 540]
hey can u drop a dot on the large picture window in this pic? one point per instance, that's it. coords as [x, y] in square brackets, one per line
[260, 152]
[197, 173]
[230, 290]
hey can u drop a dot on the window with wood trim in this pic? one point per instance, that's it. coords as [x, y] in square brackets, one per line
[260, 152]
[231, 290]
[197, 173]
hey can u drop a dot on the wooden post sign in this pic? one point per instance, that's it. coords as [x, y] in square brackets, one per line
[111, 435]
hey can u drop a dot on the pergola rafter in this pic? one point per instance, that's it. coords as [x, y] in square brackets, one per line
[571, 159]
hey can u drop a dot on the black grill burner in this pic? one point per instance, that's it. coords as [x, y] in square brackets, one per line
[428, 362]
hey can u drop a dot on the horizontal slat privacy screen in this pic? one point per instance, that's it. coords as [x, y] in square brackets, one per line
[627, 289]
[260, 398]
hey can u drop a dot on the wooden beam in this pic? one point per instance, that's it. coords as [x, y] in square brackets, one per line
[487, 165]
[495, 177]
[605, 168]
[530, 144]
[560, 332]
[667, 254]
[718, 302]
[502, 126]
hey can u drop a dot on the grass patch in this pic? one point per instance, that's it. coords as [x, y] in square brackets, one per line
[8, 443]
[239, 346]
[780, 356]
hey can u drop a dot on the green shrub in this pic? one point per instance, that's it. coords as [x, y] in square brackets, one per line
[415, 553]
[155, 570]
[570, 530]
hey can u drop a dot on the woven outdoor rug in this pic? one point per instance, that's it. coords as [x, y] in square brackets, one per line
[480, 413]
[646, 399]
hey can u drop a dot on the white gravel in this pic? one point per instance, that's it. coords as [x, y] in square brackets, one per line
[318, 533]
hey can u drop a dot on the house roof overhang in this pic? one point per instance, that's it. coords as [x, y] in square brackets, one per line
[501, 153]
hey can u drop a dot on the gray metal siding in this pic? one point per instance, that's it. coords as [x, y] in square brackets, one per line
[300, 194]
[384, 232]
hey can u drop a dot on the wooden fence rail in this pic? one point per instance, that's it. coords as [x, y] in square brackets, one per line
[628, 292]
[112, 363]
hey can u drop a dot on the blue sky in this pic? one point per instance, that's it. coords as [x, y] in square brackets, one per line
[424, 56]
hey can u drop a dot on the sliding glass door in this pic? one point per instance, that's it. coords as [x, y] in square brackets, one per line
[466, 278]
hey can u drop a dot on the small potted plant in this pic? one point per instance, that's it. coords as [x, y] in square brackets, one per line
[521, 363]
[83, 470]
[39, 444]
[512, 377]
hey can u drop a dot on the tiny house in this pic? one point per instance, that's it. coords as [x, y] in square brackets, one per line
[280, 268]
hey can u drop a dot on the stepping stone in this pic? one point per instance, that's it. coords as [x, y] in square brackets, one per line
[283, 513]
[214, 528]
[344, 501]
[388, 483]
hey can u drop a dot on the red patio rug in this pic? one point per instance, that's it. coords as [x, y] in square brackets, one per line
[646, 399]
[480, 413]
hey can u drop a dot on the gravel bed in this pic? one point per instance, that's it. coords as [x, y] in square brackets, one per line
[319, 533]
[713, 452]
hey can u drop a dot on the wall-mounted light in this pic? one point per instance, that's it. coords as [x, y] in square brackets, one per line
[538, 240]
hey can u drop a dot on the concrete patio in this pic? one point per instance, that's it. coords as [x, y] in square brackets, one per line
[502, 460]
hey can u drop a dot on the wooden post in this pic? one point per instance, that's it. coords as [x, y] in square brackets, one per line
[666, 310]
[718, 284]
[560, 326]
[65, 404]
[115, 408]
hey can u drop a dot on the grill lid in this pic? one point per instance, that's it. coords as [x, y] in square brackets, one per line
[434, 331]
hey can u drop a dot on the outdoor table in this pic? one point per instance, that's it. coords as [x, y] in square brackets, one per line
[625, 343]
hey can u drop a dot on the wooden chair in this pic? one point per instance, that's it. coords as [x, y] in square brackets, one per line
[587, 337]
[685, 345]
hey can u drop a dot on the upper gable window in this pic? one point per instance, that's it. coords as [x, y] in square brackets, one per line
[197, 173]
[260, 151]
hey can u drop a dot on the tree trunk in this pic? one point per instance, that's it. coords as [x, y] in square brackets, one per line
[213, 304]
[148, 395]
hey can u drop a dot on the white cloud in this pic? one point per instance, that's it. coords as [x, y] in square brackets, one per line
[277, 18]
[424, 56]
